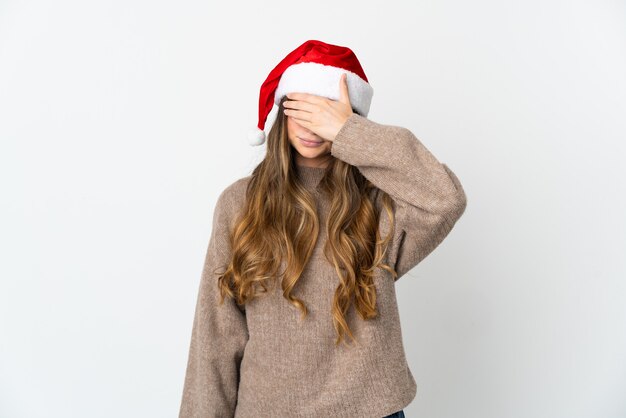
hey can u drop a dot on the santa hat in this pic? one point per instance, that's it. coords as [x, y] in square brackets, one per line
[314, 67]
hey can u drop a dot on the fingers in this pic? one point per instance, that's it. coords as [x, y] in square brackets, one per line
[305, 123]
[344, 96]
[300, 115]
[306, 97]
[299, 105]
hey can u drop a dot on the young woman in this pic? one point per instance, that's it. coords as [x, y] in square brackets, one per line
[296, 313]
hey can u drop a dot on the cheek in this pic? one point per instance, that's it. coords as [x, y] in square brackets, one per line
[292, 127]
[291, 132]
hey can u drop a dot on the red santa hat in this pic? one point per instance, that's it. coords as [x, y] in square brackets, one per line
[314, 67]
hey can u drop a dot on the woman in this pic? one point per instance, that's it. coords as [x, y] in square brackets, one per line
[296, 313]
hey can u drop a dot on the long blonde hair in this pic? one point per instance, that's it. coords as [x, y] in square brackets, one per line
[279, 218]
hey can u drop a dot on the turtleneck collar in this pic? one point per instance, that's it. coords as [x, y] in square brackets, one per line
[310, 176]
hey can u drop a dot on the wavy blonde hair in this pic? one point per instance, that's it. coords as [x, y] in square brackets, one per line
[279, 218]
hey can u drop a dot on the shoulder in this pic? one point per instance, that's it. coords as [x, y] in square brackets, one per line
[232, 198]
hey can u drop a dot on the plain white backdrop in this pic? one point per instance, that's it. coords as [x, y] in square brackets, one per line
[121, 121]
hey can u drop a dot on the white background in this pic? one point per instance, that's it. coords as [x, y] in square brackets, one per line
[121, 121]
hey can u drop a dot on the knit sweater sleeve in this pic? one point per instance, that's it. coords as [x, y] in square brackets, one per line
[219, 332]
[428, 197]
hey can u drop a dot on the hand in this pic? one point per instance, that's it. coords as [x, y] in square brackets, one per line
[323, 116]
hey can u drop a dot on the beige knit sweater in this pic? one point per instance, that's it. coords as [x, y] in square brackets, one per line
[263, 360]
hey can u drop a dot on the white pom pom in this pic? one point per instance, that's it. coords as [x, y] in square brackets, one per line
[256, 136]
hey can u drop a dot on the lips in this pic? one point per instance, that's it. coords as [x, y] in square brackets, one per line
[310, 140]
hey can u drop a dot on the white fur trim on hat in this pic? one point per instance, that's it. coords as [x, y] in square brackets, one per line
[323, 80]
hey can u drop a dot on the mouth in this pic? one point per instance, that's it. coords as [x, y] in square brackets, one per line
[310, 140]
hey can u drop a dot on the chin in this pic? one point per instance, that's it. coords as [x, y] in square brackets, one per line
[312, 153]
